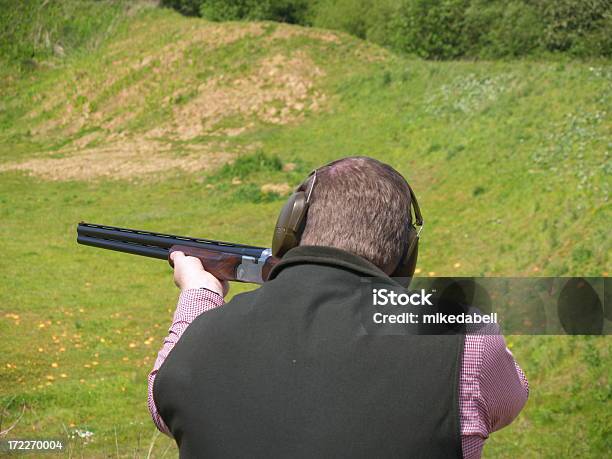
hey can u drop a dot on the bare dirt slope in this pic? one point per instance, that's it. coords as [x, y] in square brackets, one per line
[171, 92]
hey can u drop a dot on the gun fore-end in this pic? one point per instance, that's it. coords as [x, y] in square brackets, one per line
[228, 266]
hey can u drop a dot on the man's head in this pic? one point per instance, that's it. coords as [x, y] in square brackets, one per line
[360, 205]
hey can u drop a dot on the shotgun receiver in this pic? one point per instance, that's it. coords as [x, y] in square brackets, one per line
[225, 260]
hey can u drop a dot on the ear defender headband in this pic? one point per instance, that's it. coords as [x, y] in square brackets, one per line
[407, 264]
[292, 220]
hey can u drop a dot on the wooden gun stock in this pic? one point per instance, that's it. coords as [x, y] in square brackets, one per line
[229, 266]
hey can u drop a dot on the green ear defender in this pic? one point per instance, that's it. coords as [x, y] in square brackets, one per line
[292, 219]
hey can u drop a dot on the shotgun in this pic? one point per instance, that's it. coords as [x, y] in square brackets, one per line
[224, 260]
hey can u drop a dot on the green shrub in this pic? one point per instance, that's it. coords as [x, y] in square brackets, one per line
[502, 29]
[246, 165]
[596, 42]
[581, 27]
[432, 29]
[445, 29]
[186, 7]
[429, 28]
[292, 11]
[507, 29]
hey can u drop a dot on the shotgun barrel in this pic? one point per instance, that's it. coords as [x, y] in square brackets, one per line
[225, 260]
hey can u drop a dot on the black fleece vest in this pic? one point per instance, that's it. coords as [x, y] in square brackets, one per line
[288, 371]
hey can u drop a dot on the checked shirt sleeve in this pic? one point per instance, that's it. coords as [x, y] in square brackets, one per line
[493, 390]
[191, 304]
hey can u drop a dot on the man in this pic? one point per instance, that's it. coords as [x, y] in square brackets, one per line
[288, 371]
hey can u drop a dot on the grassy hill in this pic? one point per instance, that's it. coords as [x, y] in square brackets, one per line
[185, 126]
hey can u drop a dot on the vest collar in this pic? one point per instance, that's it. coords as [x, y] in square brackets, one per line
[329, 256]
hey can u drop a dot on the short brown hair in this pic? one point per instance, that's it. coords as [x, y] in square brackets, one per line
[360, 205]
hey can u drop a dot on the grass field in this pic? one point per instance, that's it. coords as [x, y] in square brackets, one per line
[183, 126]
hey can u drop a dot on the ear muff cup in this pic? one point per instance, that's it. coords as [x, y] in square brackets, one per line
[290, 224]
[407, 264]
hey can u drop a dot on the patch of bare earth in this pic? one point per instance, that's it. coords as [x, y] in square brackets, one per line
[122, 160]
[156, 64]
[282, 189]
[280, 90]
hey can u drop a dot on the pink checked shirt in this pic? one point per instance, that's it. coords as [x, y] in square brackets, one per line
[492, 387]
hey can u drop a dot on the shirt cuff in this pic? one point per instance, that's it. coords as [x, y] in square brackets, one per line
[193, 302]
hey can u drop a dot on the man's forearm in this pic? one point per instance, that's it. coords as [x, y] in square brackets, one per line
[191, 304]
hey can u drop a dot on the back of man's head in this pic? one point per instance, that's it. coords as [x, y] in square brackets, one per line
[360, 205]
